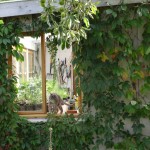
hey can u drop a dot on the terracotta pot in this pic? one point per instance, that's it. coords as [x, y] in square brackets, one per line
[72, 111]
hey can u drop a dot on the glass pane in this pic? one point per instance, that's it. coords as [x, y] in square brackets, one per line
[59, 81]
[29, 75]
[31, 63]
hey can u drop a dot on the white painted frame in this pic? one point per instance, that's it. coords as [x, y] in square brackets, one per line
[26, 7]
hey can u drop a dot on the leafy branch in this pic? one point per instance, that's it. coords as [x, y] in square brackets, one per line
[68, 20]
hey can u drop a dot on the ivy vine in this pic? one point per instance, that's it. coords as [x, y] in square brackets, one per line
[112, 61]
[9, 45]
[113, 67]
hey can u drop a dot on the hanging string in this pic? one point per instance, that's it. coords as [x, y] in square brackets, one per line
[50, 145]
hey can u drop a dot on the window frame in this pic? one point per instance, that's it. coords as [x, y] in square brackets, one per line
[43, 113]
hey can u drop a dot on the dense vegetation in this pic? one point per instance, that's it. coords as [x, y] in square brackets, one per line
[114, 75]
[9, 45]
[112, 66]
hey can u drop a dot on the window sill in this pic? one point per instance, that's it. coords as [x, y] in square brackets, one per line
[34, 116]
[43, 117]
[36, 120]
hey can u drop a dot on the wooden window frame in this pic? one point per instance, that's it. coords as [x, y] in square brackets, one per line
[31, 53]
[43, 112]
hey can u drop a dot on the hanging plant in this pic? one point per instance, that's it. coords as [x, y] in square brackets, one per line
[68, 21]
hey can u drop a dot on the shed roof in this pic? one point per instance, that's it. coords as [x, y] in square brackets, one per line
[18, 8]
[10, 8]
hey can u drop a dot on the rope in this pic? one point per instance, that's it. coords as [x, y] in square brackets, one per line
[50, 145]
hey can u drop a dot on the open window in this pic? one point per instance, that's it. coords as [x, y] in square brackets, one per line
[41, 74]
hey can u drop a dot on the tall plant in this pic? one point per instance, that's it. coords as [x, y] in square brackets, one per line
[9, 45]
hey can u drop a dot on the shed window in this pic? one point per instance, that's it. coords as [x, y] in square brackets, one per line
[41, 74]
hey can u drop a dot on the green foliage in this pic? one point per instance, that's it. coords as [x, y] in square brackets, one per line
[9, 45]
[71, 133]
[68, 22]
[55, 88]
[30, 91]
[113, 71]
[32, 136]
[1, 22]
[114, 74]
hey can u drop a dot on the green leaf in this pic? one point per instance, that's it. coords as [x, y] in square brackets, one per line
[147, 51]
[86, 21]
[114, 14]
[130, 109]
[123, 7]
[94, 9]
[6, 30]
[109, 11]
[70, 24]
[42, 3]
[1, 22]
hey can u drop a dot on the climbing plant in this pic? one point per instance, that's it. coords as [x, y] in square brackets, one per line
[9, 45]
[112, 64]
[113, 67]
[111, 58]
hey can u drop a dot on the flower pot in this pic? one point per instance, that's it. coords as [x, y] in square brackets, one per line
[72, 112]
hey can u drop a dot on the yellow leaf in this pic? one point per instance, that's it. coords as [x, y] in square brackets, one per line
[125, 76]
[140, 73]
[104, 57]
[1, 22]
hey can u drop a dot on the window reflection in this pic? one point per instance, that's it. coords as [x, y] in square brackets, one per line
[59, 75]
[29, 76]
[36, 65]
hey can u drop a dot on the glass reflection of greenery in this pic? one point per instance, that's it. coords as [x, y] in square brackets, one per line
[30, 92]
[53, 87]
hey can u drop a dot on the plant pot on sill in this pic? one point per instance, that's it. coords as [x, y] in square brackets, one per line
[72, 112]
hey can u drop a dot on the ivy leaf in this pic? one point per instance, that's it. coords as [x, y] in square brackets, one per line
[137, 128]
[146, 141]
[145, 88]
[123, 7]
[138, 75]
[114, 14]
[130, 94]
[6, 30]
[109, 11]
[133, 103]
[103, 57]
[139, 12]
[130, 109]
[147, 51]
